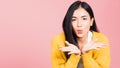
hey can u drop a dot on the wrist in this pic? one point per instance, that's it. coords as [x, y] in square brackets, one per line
[84, 52]
[79, 53]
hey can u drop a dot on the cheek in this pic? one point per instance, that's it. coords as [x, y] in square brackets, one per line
[87, 26]
[74, 25]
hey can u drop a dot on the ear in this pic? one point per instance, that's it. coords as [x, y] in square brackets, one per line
[91, 23]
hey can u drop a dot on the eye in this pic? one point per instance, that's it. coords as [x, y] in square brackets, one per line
[73, 19]
[84, 18]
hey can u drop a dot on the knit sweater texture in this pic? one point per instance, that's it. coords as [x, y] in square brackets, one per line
[92, 59]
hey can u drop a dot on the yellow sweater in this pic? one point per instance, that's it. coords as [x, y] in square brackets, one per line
[93, 59]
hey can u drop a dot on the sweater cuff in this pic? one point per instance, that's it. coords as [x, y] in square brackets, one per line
[73, 60]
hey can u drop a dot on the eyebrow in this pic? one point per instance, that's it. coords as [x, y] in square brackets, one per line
[74, 17]
[84, 16]
[81, 16]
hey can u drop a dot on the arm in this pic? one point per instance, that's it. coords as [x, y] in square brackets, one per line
[98, 58]
[58, 57]
[101, 59]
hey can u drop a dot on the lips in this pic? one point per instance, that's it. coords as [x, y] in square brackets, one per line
[79, 31]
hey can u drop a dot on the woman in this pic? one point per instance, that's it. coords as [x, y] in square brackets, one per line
[81, 45]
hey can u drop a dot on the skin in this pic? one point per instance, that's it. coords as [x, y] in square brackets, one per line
[81, 23]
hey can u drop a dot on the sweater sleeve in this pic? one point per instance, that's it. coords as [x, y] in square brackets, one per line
[58, 57]
[100, 58]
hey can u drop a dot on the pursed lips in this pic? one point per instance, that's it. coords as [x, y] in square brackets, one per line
[79, 31]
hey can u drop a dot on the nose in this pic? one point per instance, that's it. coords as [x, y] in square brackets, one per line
[79, 24]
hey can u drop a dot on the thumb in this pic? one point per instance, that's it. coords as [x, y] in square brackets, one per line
[67, 43]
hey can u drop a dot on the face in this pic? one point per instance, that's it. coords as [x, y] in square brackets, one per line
[81, 22]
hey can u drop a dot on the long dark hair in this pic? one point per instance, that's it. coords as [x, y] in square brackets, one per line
[70, 36]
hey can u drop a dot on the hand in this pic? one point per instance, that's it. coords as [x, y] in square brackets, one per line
[93, 45]
[70, 48]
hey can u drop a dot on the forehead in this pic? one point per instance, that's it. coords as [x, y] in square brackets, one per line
[80, 12]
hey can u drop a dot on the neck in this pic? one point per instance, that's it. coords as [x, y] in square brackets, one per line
[82, 40]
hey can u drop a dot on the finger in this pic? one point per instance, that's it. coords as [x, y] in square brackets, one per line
[94, 41]
[70, 53]
[101, 45]
[67, 43]
[92, 49]
[61, 47]
[97, 46]
[65, 49]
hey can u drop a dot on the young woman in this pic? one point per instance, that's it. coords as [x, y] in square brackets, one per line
[81, 45]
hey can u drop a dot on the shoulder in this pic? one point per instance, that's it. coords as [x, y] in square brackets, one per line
[101, 37]
[99, 34]
[59, 38]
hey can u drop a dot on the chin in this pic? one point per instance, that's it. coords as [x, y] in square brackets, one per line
[80, 35]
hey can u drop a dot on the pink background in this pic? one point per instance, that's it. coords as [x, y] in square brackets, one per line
[27, 27]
